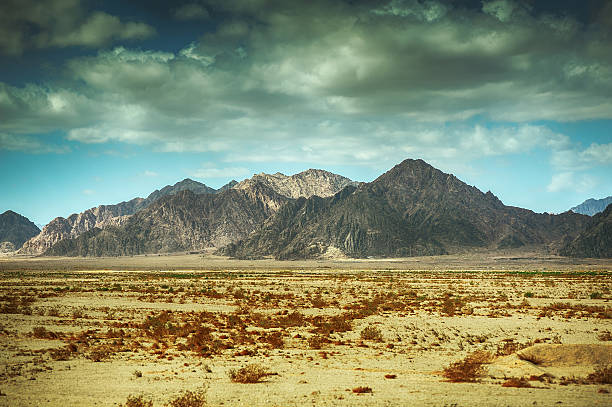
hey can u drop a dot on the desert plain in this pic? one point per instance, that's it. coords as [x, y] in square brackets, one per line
[501, 329]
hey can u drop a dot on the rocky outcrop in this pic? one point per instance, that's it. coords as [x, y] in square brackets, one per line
[103, 216]
[595, 240]
[413, 209]
[15, 229]
[304, 184]
[181, 222]
[592, 206]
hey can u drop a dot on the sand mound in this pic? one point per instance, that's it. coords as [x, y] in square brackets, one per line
[568, 355]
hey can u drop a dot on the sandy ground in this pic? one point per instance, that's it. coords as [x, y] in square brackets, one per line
[87, 337]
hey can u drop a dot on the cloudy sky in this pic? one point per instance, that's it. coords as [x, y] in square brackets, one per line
[103, 101]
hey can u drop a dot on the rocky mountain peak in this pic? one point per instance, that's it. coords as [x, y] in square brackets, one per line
[15, 229]
[304, 184]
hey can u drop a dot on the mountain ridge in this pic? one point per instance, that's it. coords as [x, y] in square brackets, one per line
[595, 240]
[102, 216]
[412, 209]
[592, 206]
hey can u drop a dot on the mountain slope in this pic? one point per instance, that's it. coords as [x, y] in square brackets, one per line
[413, 209]
[595, 240]
[592, 206]
[180, 222]
[103, 216]
[15, 230]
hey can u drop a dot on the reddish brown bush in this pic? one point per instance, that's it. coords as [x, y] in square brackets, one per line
[469, 369]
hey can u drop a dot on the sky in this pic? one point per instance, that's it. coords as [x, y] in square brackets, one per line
[104, 101]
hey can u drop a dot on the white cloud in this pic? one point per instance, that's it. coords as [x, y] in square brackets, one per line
[149, 173]
[88, 192]
[569, 181]
[575, 158]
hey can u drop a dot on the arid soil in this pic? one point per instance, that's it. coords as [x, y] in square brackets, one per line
[527, 332]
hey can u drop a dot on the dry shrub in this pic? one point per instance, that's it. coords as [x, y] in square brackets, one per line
[41, 332]
[317, 341]
[274, 339]
[469, 369]
[64, 353]
[362, 390]
[249, 374]
[189, 399]
[371, 333]
[601, 376]
[605, 336]
[516, 382]
[336, 323]
[100, 353]
[137, 401]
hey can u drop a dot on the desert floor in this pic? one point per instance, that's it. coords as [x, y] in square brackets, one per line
[496, 330]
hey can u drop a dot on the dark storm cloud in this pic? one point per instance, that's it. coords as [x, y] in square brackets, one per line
[357, 81]
[26, 24]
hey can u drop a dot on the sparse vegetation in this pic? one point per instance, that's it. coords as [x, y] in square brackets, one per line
[362, 390]
[223, 316]
[372, 333]
[137, 401]
[189, 399]
[517, 382]
[602, 375]
[470, 369]
[252, 373]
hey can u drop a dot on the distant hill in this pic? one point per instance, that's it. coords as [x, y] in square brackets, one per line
[413, 209]
[595, 240]
[15, 229]
[102, 216]
[592, 206]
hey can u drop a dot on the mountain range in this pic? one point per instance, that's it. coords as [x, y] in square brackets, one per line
[592, 206]
[104, 215]
[197, 218]
[412, 209]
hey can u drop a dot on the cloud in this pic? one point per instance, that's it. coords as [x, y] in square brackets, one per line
[575, 158]
[191, 11]
[568, 181]
[149, 173]
[88, 192]
[28, 144]
[331, 82]
[31, 24]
